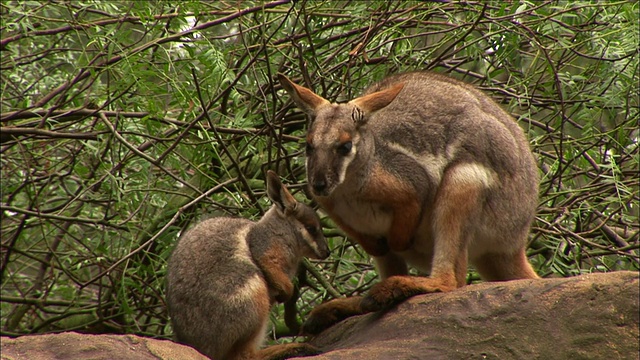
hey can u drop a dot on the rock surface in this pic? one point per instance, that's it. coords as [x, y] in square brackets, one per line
[592, 316]
[74, 346]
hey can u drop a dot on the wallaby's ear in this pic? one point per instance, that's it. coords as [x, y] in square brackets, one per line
[279, 194]
[378, 100]
[306, 99]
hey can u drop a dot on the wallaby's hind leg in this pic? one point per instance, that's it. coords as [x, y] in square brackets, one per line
[398, 288]
[456, 209]
[390, 265]
[501, 267]
[247, 345]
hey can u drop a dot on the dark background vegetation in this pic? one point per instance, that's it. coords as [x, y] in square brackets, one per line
[125, 122]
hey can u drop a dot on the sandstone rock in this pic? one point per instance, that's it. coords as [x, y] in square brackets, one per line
[74, 346]
[591, 316]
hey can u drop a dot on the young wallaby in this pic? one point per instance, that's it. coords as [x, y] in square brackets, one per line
[422, 170]
[225, 274]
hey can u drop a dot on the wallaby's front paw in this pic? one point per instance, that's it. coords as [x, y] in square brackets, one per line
[284, 291]
[282, 297]
[396, 289]
[330, 313]
[286, 351]
[320, 319]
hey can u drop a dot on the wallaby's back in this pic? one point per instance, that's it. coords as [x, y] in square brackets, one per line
[444, 122]
[434, 113]
[212, 273]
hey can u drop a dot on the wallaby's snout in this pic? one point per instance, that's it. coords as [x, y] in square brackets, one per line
[319, 186]
[330, 153]
[320, 252]
[323, 249]
[324, 179]
[319, 173]
[314, 244]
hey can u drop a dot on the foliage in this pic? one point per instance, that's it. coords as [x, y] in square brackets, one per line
[123, 123]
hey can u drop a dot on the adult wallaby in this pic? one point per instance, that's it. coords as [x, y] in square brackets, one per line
[421, 170]
[225, 274]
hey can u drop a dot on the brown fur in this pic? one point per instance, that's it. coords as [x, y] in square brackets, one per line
[272, 262]
[421, 170]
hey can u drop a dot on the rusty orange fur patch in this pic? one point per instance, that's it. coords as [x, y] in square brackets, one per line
[393, 194]
[344, 137]
[455, 204]
[403, 201]
[272, 263]
[500, 267]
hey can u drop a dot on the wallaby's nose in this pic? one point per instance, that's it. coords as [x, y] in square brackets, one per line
[324, 253]
[319, 186]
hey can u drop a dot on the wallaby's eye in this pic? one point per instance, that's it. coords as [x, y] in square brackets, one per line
[345, 149]
[312, 230]
[309, 148]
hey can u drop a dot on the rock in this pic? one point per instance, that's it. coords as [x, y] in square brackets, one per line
[75, 346]
[593, 316]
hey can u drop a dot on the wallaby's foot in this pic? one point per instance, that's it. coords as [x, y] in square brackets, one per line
[330, 313]
[396, 289]
[285, 351]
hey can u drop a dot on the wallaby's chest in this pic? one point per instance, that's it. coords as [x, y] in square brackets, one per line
[366, 217]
